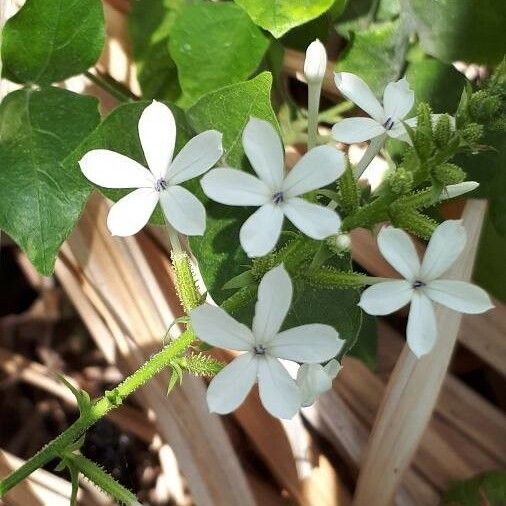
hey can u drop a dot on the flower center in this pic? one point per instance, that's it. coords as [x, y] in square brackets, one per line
[259, 349]
[278, 198]
[160, 184]
[389, 124]
[418, 284]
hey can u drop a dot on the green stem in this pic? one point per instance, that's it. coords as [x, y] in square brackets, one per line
[314, 91]
[98, 410]
[111, 86]
[372, 150]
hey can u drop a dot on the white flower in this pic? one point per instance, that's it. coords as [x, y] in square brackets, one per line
[315, 379]
[422, 285]
[263, 346]
[276, 194]
[315, 63]
[456, 190]
[157, 133]
[398, 100]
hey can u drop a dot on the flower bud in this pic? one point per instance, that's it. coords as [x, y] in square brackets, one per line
[449, 173]
[315, 63]
[343, 243]
[400, 180]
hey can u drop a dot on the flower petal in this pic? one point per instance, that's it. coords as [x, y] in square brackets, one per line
[231, 385]
[315, 221]
[260, 232]
[264, 150]
[313, 381]
[157, 132]
[456, 190]
[197, 156]
[112, 170]
[446, 244]
[274, 299]
[356, 90]
[399, 251]
[387, 297]
[398, 99]
[422, 328]
[459, 295]
[278, 391]
[217, 328]
[183, 210]
[132, 212]
[332, 368]
[351, 130]
[317, 168]
[309, 343]
[235, 188]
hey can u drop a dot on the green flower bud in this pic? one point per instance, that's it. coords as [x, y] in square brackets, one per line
[448, 173]
[442, 131]
[400, 181]
[483, 106]
[472, 133]
[340, 243]
[424, 115]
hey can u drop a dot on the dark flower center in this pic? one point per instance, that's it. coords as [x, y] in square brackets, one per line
[278, 198]
[259, 349]
[389, 124]
[160, 184]
[418, 284]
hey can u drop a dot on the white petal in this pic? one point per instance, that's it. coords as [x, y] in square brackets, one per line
[260, 232]
[315, 63]
[112, 170]
[197, 156]
[217, 328]
[183, 210]
[445, 246]
[315, 221]
[132, 212]
[459, 295]
[310, 343]
[231, 385]
[351, 130]
[356, 90]
[264, 150]
[278, 391]
[317, 168]
[456, 190]
[399, 132]
[398, 99]
[313, 381]
[387, 297]
[274, 299]
[157, 132]
[399, 251]
[422, 328]
[235, 188]
[332, 368]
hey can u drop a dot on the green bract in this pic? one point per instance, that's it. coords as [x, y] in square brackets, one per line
[214, 45]
[40, 198]
[279, 16]
[51, 40]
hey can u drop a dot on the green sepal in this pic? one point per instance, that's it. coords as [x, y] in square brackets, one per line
[200, 364]
[185, 281]
[349, 192]
[414, 222]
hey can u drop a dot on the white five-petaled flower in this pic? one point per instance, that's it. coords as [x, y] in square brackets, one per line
[398, 100]
[276, 194]
[157, 133]
[263, 346]
[315, 379]
[422, 284]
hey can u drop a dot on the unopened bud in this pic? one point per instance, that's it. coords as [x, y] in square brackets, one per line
[400, 180]
[449, 173]
[343, 243]
[315, 63]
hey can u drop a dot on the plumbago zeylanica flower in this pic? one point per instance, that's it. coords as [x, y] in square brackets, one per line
[263, 346]
[159, 184]
[277, 195]
[422, 284]
[386, 119]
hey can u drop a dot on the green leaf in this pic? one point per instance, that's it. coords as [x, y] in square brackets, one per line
[51, 40]
[214, 45]
[219, 253]
[488, 489]
[436, 83]
[279, 16]
[376, 55]
[40, 199]
[149, 26]
[118, 132]
[460, 29]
